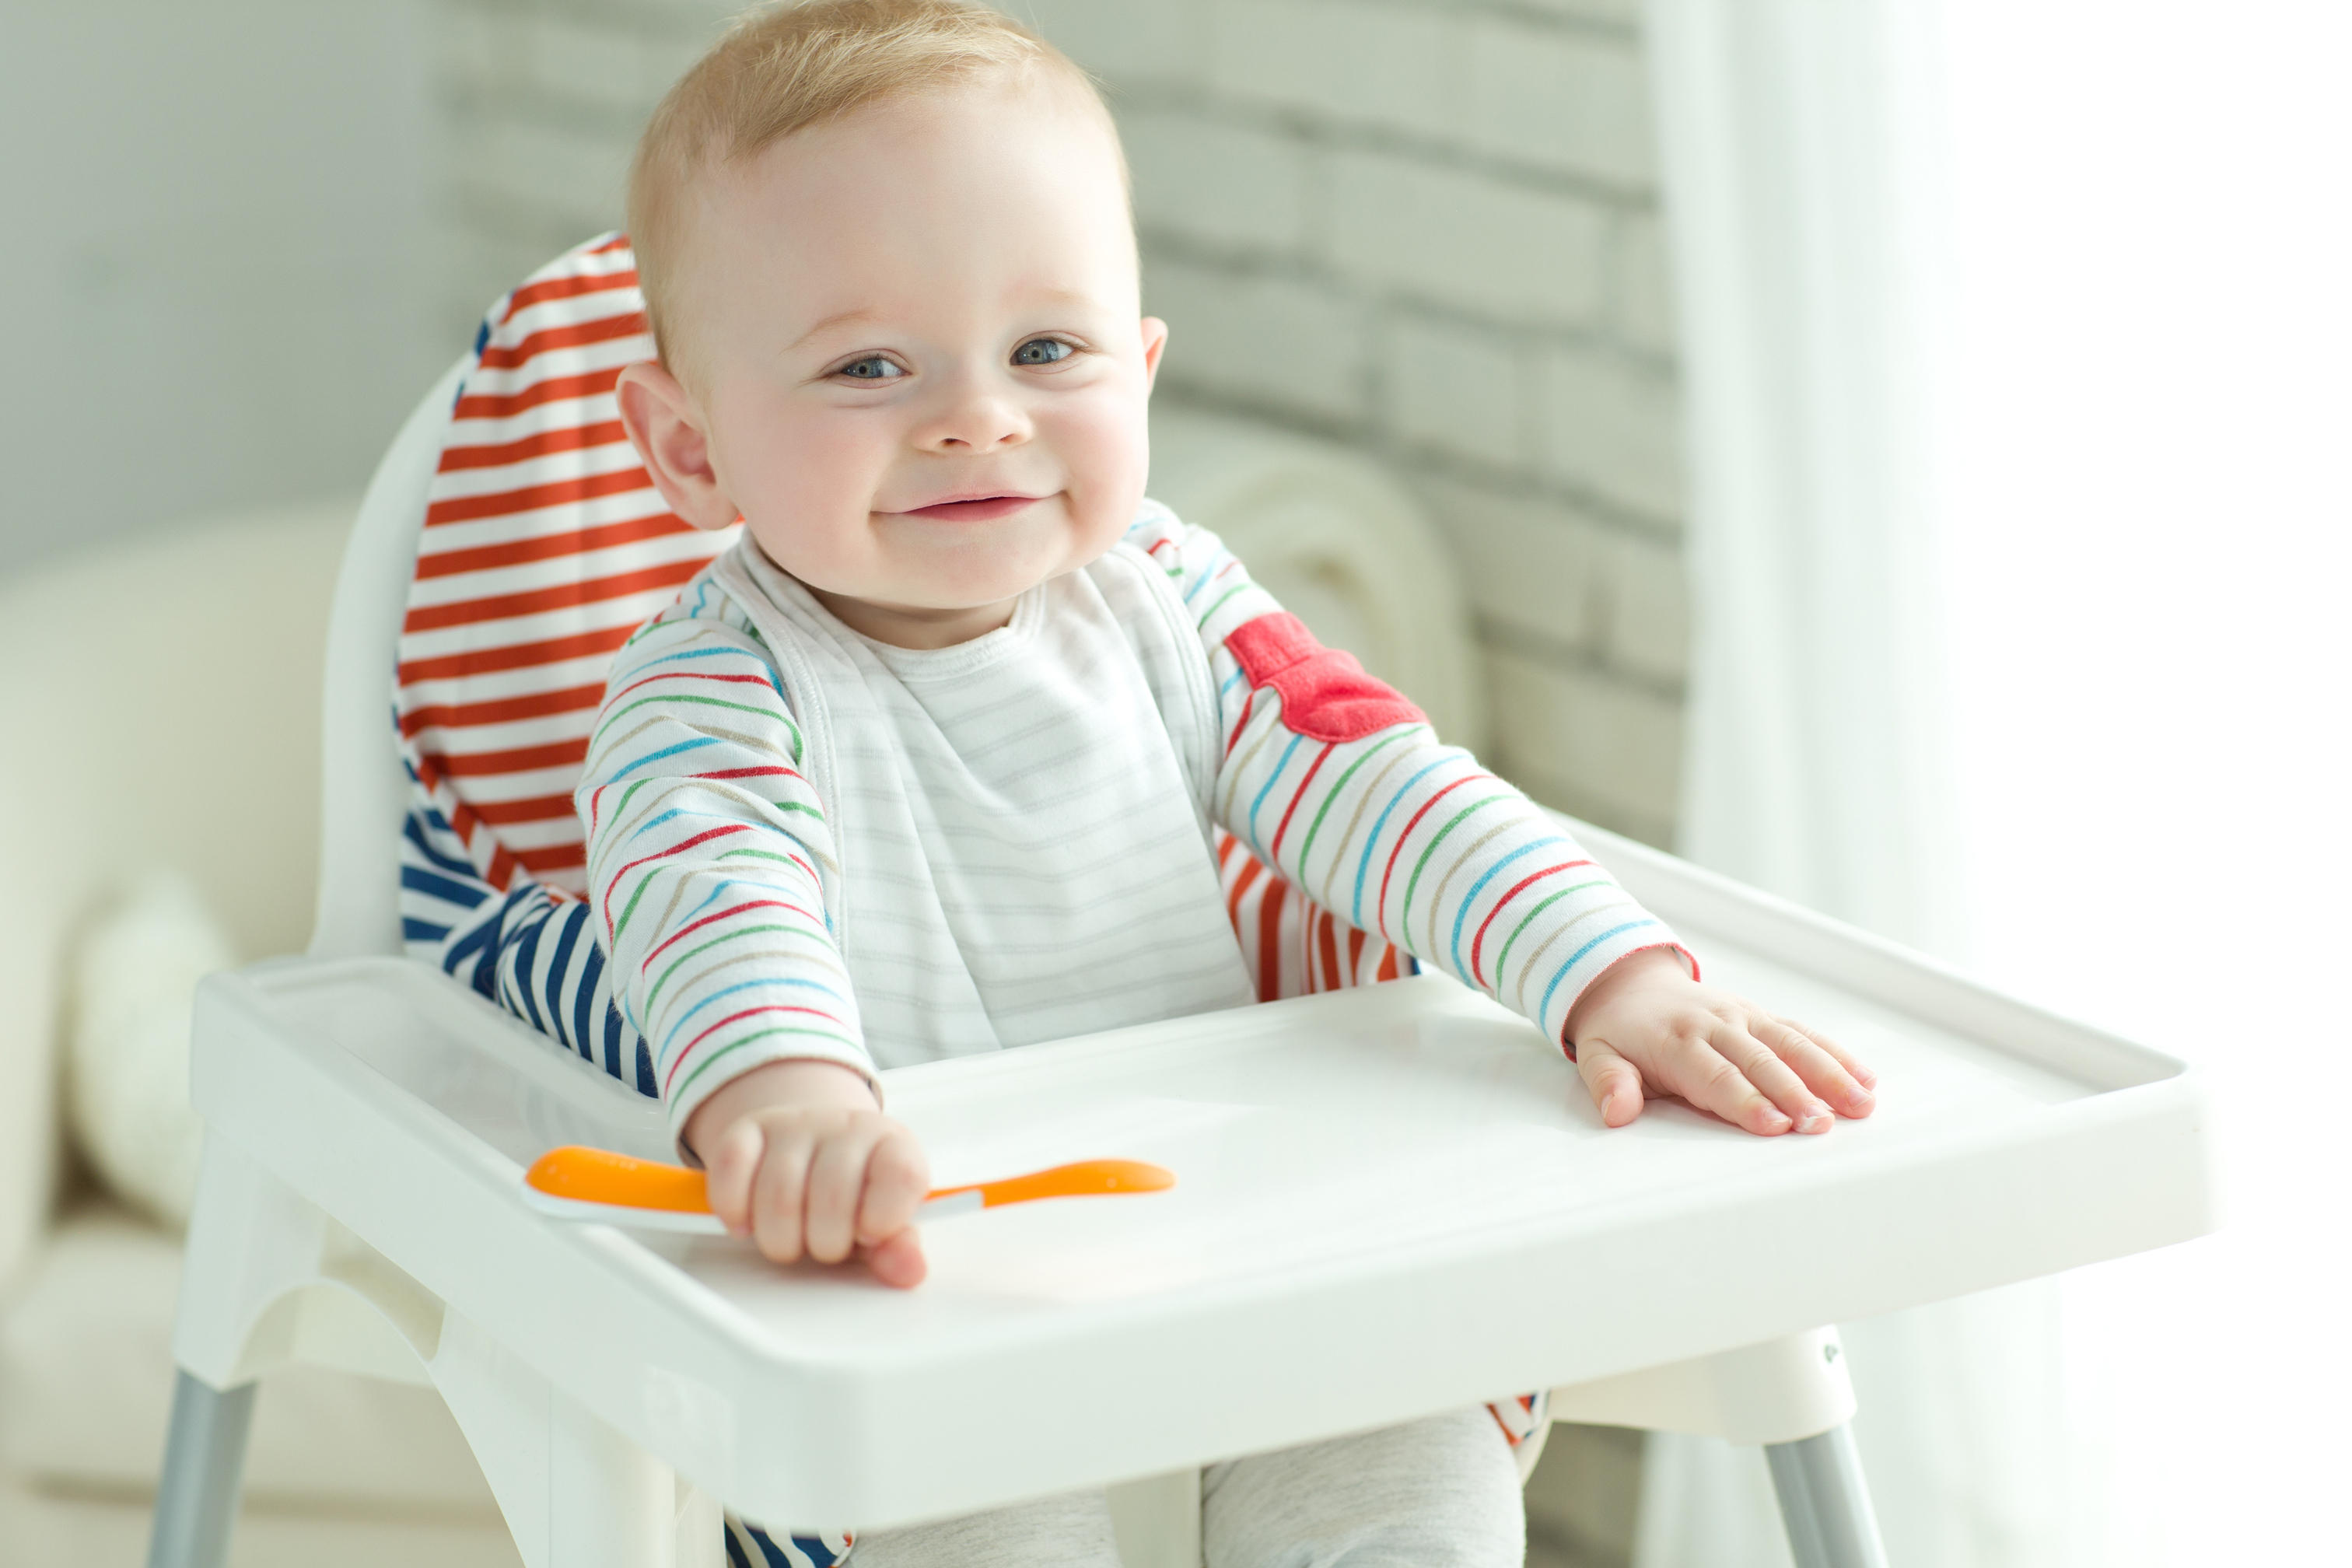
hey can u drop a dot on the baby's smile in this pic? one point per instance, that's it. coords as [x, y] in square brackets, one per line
[979, 508]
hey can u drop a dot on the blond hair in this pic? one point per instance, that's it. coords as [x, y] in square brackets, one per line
[786, 67]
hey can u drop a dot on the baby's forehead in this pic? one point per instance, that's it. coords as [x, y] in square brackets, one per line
[991, 191]
[899, 142]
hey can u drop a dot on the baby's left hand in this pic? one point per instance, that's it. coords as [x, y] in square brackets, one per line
[1645, 1027]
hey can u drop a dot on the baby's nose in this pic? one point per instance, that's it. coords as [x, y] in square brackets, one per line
[983, 443]
[977, 422]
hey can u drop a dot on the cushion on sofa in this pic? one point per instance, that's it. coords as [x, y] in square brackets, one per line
[85, 1383]
[135, 971]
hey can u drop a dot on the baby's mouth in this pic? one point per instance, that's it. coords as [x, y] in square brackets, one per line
[973, 508]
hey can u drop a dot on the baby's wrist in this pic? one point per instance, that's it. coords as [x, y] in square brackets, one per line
[804, 1084]
[1636, 965]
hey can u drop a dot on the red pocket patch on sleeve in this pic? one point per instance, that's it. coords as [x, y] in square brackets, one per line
[1325, 694]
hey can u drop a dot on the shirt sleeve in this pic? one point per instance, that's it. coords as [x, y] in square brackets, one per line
[709, 857]
[1339, 785]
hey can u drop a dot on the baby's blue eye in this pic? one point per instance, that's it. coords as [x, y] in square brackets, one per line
[873, 367]
[1041, 351]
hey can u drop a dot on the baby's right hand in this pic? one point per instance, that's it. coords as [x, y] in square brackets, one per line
[802, 1160]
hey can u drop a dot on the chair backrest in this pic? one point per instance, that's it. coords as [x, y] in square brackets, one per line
[364, 790]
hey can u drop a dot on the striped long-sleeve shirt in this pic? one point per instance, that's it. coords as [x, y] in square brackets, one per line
[802, 844]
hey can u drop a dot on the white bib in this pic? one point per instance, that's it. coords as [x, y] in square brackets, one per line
[1021, 829]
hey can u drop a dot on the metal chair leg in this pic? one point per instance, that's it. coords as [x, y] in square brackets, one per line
[204, 1461]
[1825, 1501]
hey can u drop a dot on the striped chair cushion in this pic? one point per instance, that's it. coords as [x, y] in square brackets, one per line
[545, 544]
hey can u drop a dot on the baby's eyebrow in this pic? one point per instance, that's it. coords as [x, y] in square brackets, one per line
[838, 319]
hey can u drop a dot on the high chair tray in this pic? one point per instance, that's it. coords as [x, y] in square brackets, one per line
[1389, 1201]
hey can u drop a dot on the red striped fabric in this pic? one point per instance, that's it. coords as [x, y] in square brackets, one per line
[1294, 947]
[531, 446]
[536, 498]
[545, 546]
[486, 406]
[520, 655]
[558, 596]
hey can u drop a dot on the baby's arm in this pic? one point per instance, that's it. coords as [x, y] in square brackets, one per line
[1338, 785]
[707, 854]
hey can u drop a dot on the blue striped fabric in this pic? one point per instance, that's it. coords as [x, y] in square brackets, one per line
[529, 950]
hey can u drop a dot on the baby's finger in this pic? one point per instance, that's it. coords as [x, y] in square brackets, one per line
[728, 1174]
[1826, 1069]
[1706, 1070]
[898, 1260]
[897, 1178]
[1837, 1053]
[1614, 1083]
[1773, 1078]
[780, 1196]
[836, 1177]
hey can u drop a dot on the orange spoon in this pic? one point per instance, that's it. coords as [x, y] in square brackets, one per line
[582, 1183]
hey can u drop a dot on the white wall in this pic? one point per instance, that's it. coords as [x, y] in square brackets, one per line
[215, 254]
[1426, 227]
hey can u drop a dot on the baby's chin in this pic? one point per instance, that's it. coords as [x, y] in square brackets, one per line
[925, 587]
[954, 593]
[951, 565]
[942, 565]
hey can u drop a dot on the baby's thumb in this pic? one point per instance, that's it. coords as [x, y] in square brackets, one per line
[729, 1173]
[1614, 1083]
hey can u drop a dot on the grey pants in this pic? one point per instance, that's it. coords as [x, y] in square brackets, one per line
[1439, 1493]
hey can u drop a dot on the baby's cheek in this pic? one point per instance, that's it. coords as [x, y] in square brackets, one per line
[1105, 446]
[806, 490]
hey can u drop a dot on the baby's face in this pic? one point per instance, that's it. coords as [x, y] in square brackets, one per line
[916, 359]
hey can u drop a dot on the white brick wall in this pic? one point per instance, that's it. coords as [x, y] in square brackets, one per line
[1609, 427]
[1230, 188]
[1559, 99]
[1644, 304]
[1386, 65]
[1599, 747]
[1427, 227]
[1266, 342]
[1457, 389]
[1457, 236]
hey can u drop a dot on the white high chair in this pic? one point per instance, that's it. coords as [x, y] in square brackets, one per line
[1393, 1201]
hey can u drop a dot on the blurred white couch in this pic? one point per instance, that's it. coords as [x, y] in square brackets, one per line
[159, 706]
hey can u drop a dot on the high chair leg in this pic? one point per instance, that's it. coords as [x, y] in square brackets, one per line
[574, 1492]
[1825, 1503]
[204, 1461]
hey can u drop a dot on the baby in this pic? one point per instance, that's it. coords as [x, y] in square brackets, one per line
[931, 762]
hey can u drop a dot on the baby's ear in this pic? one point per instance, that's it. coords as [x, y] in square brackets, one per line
[1155, 340]
[667, 429]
